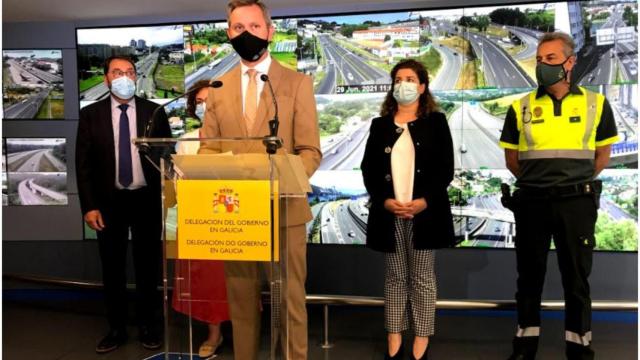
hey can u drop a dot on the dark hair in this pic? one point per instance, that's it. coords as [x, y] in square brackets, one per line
[426, 103]
[191, 99]
[107, 62]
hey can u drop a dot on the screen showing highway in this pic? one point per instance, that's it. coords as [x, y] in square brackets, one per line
[36, 171]
[32, 84]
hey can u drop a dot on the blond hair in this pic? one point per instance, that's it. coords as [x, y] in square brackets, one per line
[234, 4]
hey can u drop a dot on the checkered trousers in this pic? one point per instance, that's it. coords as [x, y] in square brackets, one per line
[410, 285]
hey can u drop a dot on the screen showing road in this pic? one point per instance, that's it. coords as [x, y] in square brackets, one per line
[36, 171]
[32, 84]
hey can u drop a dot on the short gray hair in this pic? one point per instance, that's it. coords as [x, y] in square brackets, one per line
[567, 40]
[234, 4]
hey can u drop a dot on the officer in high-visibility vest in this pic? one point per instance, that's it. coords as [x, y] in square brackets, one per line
[557, 139]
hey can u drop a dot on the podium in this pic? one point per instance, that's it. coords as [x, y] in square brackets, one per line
[229, 206]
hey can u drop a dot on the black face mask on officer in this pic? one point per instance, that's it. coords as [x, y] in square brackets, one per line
[249, 46]
[548, 74]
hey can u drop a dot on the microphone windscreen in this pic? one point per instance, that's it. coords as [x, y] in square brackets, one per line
[264, 77]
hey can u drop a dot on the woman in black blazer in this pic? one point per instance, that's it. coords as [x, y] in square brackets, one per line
[407, 167]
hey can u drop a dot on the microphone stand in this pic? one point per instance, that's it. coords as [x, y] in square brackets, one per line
[272, 142]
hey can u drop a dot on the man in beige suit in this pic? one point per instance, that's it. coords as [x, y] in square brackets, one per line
[243, 107]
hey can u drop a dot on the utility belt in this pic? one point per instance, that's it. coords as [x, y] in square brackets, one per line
[589, 188]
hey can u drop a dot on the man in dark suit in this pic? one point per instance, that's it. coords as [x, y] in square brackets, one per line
[120, 194]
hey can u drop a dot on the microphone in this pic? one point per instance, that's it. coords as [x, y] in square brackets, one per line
[144, 147]
[272, 142]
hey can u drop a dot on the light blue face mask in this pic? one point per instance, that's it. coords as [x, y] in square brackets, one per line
[405, 93]
[123, 87]
[200, 110]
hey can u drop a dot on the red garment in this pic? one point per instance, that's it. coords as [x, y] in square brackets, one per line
[202, 292]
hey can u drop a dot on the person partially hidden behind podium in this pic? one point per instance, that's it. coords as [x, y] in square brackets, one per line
[243, 107]
[202, 280]
[120, 193]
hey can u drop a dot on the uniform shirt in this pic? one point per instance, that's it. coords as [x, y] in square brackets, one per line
[558, 171]
[403, 157]
[138, 176]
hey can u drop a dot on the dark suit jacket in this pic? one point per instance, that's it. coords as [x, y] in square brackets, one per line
[95, 152]
[433, 227]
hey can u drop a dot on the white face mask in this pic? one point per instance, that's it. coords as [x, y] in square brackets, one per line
[200, 110]
[405, 93]
[123, 87]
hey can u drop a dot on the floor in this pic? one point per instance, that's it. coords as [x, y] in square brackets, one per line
[64, 325]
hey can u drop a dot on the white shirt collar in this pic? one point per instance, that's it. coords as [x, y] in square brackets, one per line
[261, 68]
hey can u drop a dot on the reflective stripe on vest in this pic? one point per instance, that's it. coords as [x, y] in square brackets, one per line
[552, 154]
[592, 102]
[540, 144]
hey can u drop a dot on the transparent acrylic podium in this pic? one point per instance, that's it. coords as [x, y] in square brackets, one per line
[193, 283]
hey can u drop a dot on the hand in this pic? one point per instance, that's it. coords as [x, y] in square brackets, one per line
[417, 206]
[398, 209]
[93, 218]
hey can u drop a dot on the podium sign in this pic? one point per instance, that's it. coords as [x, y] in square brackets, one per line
[231, 206]
[226, 220]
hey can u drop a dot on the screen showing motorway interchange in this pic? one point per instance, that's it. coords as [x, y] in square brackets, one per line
[479, 60]
[36, 171]
[32, 84]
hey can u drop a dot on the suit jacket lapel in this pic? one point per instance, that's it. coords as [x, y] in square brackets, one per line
[106, 123]
[141, 119]
[235, 100]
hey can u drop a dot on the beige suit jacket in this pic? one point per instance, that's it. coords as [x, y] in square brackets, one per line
[296, 112]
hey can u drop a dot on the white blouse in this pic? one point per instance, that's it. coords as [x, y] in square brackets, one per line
[188, 147]
[402, 165]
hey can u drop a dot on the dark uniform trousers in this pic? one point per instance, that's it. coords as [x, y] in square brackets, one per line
[132, 210]
[570, 221]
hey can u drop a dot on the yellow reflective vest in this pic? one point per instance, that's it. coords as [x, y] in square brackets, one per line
[572, 135]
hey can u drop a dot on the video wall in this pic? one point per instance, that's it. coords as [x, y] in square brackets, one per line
[479, 60]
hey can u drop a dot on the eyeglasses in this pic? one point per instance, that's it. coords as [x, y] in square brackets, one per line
[118, 73]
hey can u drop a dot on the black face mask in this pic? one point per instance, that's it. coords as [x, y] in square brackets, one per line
[249, 46]
[548, 74]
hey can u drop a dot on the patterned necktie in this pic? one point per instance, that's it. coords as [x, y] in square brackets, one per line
[125, 172]
[250, 100]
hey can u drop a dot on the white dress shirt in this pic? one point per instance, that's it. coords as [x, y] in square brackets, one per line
[403, 157]
[261, 68]
[138, 176]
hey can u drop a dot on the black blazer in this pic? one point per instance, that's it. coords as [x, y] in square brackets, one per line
[95, 152]
[433, 227]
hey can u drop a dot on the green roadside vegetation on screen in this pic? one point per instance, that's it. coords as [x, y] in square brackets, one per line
[170, 77]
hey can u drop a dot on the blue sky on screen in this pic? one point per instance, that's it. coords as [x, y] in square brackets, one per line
[384, 18]
[153, 35]
[39, 54]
